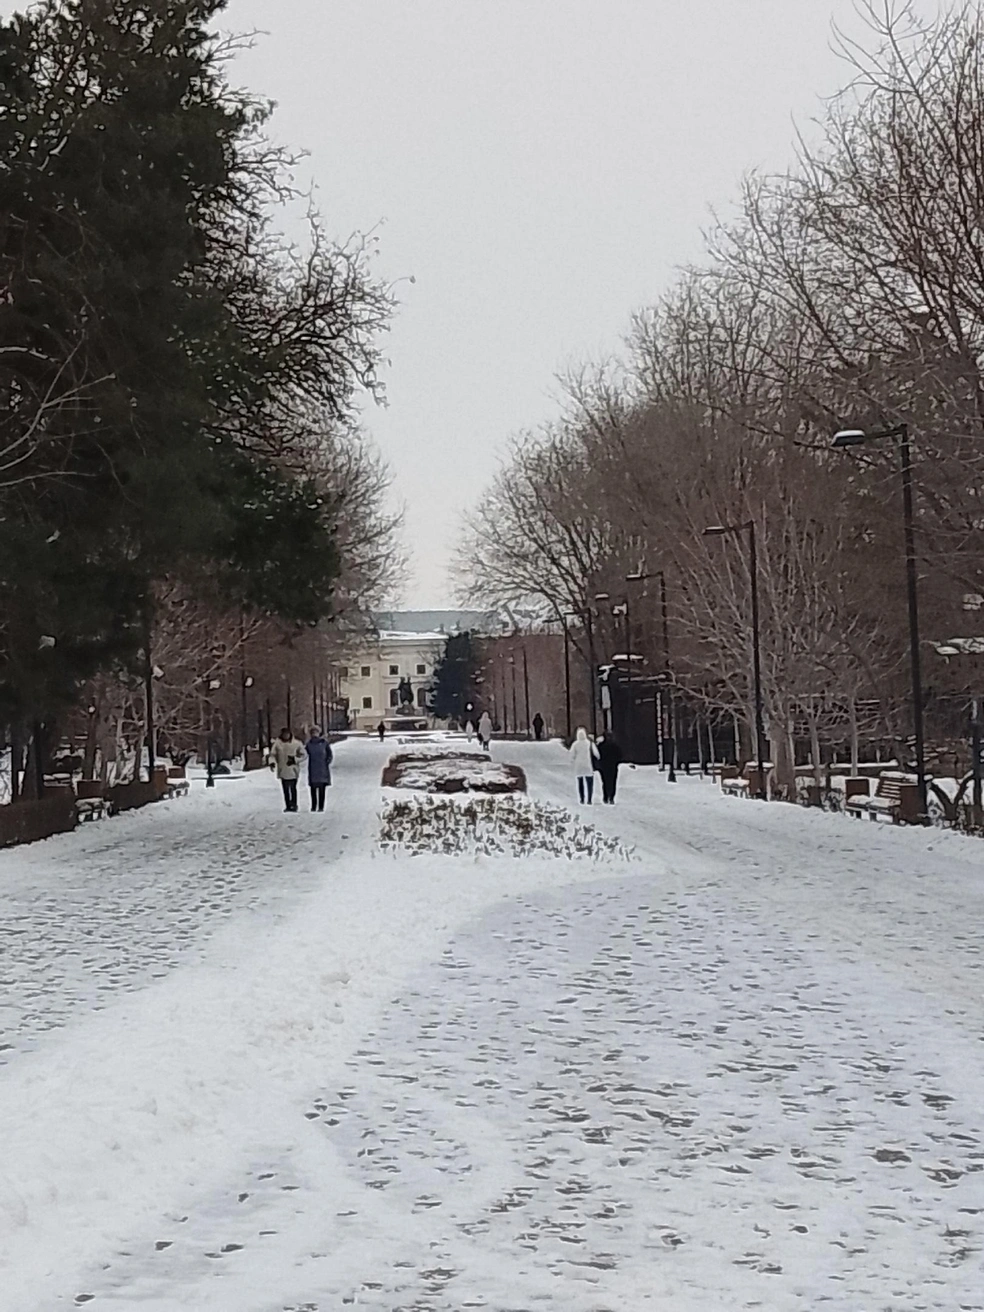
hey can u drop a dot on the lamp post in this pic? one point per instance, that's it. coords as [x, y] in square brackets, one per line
[639, 577]
[851, 437]
[515, 713]
[722, 530]
[567, 676]
[526, 689]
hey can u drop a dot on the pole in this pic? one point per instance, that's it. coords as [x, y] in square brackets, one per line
[913, 599]
[567, 678]
[526, 689]
[149, 701]
[671, 755]
[757, 661]
[512, 666]
[259, 729]
[243, 702]
[269, 720]
[594, 673]
[37, 732]
[975, 747]
[290, 725]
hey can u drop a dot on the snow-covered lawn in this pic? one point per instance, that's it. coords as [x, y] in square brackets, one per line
[258, 1064]
[491, 826]
[451, 768]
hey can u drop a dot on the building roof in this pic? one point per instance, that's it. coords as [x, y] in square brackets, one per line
[430, 623]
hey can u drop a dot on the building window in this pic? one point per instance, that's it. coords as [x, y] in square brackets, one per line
[367, 703]
[422, 698]
[394, 669]
[421, 669]
[366, 671]
[343, 672]
[394, 696]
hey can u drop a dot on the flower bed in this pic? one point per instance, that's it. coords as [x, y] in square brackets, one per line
[492, 826]
[452, 772]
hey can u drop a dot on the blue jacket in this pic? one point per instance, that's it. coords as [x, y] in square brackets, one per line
[319, 760]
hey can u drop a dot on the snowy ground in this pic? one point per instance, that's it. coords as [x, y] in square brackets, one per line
[253, 1064]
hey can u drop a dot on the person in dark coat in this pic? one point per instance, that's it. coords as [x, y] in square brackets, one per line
[609, 759]
[538, 726]
[381, 730]
[319, 757]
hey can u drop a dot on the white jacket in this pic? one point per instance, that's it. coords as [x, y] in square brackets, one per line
[287, 757]
[583, 756]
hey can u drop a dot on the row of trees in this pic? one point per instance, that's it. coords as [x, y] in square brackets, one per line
[181, 470]
[846, 293]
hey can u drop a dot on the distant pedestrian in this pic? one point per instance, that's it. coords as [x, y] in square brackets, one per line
[381, 730]
[286, 755]
[609, 756]
[485, 730]
[583, 757]
[319, 756]
[538, 727]
[469, 730]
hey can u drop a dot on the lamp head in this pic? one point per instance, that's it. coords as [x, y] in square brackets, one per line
[848, 437]
[715, 531]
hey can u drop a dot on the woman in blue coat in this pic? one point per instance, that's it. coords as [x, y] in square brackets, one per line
[319, 767]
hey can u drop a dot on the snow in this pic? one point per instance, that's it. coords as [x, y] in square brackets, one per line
[256, 1064]
[472, 776]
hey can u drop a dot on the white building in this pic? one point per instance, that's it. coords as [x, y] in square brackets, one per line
[370, 682]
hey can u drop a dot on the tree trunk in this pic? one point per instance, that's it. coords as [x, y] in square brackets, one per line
[815, 750]
[783, 758]
[16, 760]
[852, 710]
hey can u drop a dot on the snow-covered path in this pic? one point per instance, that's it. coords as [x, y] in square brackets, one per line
[742, 1071]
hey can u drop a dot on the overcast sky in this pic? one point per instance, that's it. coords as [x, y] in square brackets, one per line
[540, 167]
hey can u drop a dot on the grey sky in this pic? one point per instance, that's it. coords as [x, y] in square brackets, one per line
[541, 167]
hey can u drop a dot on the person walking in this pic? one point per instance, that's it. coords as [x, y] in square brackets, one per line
[538, 727]
[583, 757]
[381, 730]
[609, 756]
[319, 756]
[286, 755]
[485, 730]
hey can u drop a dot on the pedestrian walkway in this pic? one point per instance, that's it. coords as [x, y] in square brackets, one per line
[683, 1082]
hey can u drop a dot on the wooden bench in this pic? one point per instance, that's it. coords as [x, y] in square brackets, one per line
[177, 782]
[90, 799]
[896, 796]
[747, 784]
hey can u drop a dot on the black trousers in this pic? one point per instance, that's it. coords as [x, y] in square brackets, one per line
[609, 783]
[318, 796]
[585, 787]
[290, 793]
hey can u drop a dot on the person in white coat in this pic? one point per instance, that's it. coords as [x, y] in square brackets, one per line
[286, 755]
[584, 758]
[485, 730]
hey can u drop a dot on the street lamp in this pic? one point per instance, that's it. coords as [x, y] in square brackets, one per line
[526, 689]
[722, 530]
[640, 577]
[567, 675]
[850, 437]
[586, 615]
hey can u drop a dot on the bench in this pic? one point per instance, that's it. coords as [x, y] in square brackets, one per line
[177, 782]
[896, 796]
[90, 799]
[746, 784]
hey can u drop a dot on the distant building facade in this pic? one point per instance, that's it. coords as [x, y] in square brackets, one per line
[380, 673]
